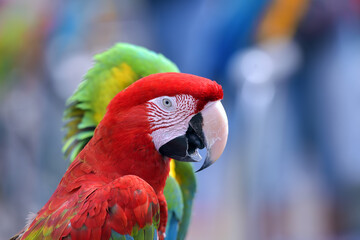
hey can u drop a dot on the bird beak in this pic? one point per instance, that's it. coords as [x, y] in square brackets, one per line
[208, 128]
[215, 129]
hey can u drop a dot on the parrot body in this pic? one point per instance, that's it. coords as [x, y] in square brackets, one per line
[118, 185]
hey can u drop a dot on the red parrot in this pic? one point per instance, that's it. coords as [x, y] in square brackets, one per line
[114, 189]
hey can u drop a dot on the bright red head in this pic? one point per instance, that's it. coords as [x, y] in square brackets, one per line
[156, 118]
[167, 84]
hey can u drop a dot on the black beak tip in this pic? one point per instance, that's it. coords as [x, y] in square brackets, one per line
[207, 163]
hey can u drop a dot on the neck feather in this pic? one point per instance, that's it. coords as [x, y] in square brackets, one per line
[122, 145]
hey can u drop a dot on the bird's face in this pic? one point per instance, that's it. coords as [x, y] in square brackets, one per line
[180, 127]
[183, 114]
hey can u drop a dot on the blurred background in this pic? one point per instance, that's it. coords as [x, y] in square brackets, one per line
[291, 74]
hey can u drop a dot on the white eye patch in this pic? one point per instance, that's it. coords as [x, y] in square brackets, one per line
[165, 103]
[169, 117]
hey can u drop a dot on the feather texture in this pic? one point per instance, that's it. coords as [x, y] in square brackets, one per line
[115, 70]
[95, 207]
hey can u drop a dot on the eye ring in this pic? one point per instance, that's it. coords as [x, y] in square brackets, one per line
[166, 102]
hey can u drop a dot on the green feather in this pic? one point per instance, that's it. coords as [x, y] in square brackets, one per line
[116, 236]
[174, 199]
[113, 71]
[187, 181]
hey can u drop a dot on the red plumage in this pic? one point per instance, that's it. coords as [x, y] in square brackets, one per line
[117, 180]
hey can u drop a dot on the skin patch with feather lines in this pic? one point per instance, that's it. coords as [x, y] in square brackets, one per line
[169, 117]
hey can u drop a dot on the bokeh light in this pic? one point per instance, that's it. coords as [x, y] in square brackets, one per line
[290, 70]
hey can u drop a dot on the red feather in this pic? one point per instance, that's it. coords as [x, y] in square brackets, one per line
[117, 180]
[102, 208]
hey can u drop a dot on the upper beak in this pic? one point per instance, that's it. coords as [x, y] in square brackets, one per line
[208, 128]
[215, 130]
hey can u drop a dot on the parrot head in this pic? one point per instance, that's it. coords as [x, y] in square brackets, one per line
[183, 114]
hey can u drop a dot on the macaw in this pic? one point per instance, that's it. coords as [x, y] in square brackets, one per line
[130, 117]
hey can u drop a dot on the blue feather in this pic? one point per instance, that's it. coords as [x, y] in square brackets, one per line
[173, 228]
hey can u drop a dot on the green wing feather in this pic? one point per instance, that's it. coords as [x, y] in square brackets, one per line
[146, 233]
[113, 71]
[186, 179]
[175, 203]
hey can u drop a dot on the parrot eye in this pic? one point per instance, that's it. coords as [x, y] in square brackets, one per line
[166, 102]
